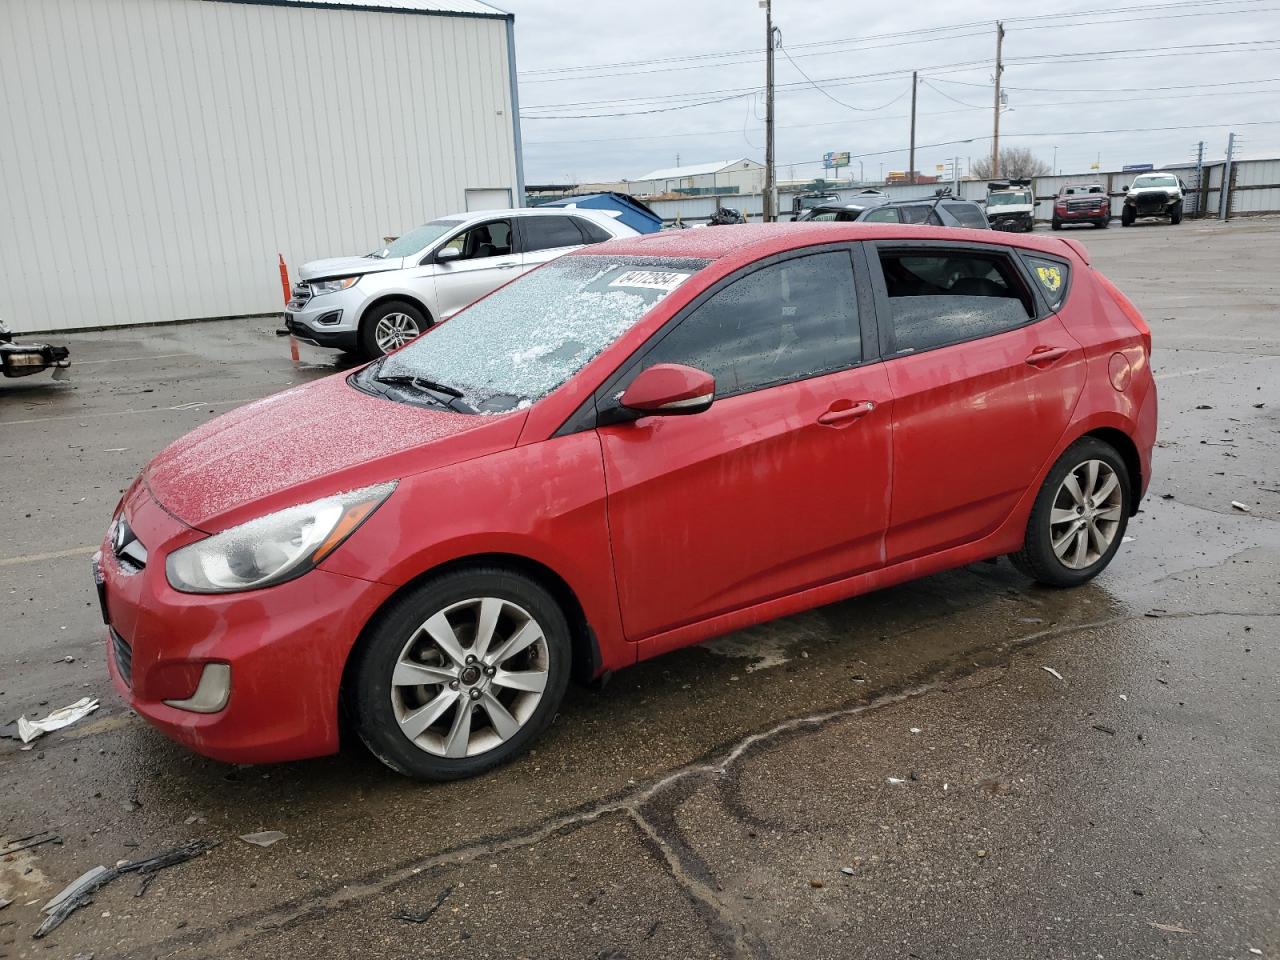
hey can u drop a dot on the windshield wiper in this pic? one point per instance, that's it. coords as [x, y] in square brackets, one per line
[404, 379]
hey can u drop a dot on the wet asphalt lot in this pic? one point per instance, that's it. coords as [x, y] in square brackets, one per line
[893, 776]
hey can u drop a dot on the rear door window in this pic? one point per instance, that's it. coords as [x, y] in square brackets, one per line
[882, 215]
[549, 232]
[943, 296]
[967, 214]
[787, 321]
[594, 233]
[920, 213]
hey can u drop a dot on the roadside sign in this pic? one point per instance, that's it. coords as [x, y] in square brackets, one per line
[833, 161]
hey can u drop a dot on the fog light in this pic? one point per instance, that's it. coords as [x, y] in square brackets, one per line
[212, 693]
[330, 318]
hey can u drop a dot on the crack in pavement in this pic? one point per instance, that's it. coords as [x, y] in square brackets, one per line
[242, 931]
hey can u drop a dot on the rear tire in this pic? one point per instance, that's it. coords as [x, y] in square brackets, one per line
[443, 709]
[1072, 538]
[389, 326]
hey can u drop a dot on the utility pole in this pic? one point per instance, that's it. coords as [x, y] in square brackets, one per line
[911, 162]
[1224, 192]
[1199, 176]
[770, 184]
[995, 134]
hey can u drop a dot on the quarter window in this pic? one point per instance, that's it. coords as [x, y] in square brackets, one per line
[941, 298]
[967, 215]
[921, 213]
[1052, 276]
[547, 233]
[787, 321]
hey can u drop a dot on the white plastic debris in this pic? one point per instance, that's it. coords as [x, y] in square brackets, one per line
[28, 730]
[895, 780]
[916, 730]
[1054, 672]
[847, 871]
[83, 882]
[1240, 506]
[263, 839]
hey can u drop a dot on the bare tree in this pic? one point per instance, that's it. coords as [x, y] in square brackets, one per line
[1014, 162]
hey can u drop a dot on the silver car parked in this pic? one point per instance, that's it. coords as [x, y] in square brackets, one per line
[376, 303]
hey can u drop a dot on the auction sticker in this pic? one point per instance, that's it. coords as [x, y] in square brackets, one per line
[664, 280]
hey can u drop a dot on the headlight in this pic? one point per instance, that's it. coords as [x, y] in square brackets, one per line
[274, 548]
[332, 286]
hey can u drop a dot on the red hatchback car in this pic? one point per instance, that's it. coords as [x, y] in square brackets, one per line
[631, 449]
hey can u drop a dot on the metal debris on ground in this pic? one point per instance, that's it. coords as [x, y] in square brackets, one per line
[405, 917]
[847, 871]
[1169, 927]
[264, 838]
[1054, 672]
[1104, 729]
[28, 730]
[79, 893]
[1240, 506]
[29, 841]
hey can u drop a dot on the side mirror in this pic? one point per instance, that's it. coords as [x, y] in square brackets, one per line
[669, 389]
[1125, 188]
[445, 254]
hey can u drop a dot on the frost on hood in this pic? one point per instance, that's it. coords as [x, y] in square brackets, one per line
[526, 339]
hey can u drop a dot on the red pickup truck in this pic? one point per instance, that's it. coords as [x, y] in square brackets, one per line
[1082, 203]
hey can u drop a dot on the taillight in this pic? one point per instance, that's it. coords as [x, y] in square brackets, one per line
[1129, 310]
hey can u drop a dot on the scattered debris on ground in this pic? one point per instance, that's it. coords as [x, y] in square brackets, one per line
[79, 893]
[29, 841]
[1168, 927]
[405, 917]
[28, 730]
[1054, 672]
[1240, 506]
[264, 838]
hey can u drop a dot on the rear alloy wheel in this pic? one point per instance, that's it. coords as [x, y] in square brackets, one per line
[389, 327]
[1079, 517]
[462, 674]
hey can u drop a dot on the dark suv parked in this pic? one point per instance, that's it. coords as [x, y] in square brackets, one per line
[944, 211]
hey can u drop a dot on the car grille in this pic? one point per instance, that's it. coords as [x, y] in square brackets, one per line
[1075, 205]
[1151, 203]
[123, 655]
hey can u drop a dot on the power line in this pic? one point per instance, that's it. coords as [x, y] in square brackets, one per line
[848, 106]
[928, 35]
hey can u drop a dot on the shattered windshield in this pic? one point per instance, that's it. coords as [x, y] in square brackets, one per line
[1008, 199]
[416, 239]
[527, 338]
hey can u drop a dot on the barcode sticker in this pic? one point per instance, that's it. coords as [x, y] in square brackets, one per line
[650, 279]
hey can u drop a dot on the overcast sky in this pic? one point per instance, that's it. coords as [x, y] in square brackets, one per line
[568, 53]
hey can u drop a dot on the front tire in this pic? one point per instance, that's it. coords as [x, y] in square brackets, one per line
[460, 674]
[1175, 215]
[1127, 216]
[1078, 520]
[389, 326]
[1056, 224]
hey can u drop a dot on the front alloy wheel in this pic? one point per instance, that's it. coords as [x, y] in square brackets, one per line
[1078, 520]
[394, 330]
[460, 674]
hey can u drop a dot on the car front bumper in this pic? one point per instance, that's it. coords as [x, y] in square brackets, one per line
[329, 320]
[1012, 222]
[285, 647]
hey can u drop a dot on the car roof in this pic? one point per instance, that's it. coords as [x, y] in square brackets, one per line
[765, 239]
[590, 213]
[946, 198]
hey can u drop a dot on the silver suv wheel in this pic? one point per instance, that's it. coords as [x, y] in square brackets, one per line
[395, 330]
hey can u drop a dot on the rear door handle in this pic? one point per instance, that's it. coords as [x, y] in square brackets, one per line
[847, 414]
[1043, 356]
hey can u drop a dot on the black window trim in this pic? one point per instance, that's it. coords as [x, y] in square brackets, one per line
[586, 417]
[430, 258]
[885, 310]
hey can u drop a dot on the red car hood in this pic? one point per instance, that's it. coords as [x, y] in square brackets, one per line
[311, 441]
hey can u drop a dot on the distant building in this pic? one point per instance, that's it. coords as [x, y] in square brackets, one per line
[902, 176]
[719, 177]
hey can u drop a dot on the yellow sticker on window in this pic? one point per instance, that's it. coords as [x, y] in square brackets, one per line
[1051, 277]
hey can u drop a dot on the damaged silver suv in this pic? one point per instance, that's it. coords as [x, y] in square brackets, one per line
[1152, 195]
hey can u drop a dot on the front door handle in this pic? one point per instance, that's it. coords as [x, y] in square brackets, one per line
[1042, 357]
[507, 266]
[847, 414]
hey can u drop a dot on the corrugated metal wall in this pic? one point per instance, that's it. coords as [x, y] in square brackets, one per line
[157, 154]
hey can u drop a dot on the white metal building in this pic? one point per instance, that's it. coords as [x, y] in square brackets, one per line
[158, 154]
[716, 177]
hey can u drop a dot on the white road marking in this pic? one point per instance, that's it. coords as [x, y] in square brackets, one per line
[56, 555]
[154, 356]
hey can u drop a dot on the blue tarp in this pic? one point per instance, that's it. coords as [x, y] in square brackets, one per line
[635, 214]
